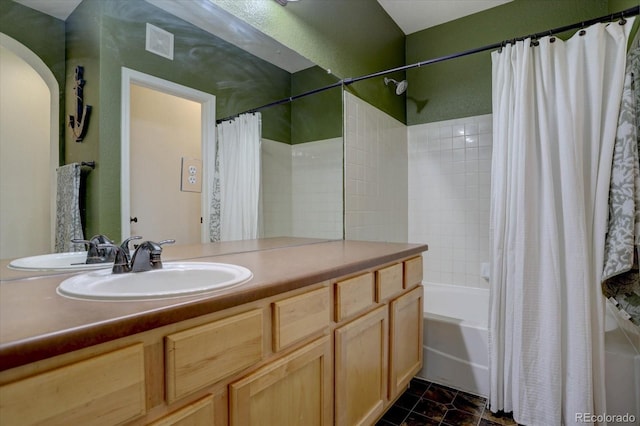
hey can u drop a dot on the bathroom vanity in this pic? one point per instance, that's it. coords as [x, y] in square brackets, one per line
[326, 332]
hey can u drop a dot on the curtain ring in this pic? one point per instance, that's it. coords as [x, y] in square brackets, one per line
[582, 31]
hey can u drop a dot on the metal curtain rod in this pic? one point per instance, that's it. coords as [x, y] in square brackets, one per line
[282, 101]
[633, 11]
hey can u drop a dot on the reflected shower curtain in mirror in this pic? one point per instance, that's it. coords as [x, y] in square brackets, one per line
[235, 184]
[555, 110]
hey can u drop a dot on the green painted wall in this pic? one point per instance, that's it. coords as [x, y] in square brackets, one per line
[351, 38]
[462, 87]
[47, 42]
[105, 36]
[319, 116]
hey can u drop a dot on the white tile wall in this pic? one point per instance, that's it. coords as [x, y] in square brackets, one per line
[302, 189]
[449, 190]
[316, 198]
[375, 175]
[276, 189]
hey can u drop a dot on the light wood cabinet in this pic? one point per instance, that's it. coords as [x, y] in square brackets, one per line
[389, 282]
[295, 390]
[354, 295]
[296, 318]
[405, 340]
[335, 352]
[107, 389]
[199, 413]
[412, 272]
[205, 354]
[361, 369]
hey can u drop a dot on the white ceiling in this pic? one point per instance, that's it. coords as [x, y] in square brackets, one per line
[410, 15]
[416, 15]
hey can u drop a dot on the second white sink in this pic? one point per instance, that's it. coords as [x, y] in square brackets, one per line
[173, 280]
[71, 261]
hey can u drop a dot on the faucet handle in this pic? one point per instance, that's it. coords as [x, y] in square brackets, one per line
[104, 247]
[125, 246]
[93, 253]
[147, 256]
[121, 259]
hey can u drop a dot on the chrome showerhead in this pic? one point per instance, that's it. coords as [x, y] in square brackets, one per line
[401, 86]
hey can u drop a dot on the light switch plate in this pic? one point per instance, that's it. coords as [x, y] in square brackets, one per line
[191, 175]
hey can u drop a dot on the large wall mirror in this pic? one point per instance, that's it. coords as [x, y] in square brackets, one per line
[302, 143]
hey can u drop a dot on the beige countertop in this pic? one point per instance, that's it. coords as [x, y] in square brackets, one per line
[37, 323]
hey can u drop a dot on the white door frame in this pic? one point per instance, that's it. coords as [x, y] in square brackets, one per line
[208, 119]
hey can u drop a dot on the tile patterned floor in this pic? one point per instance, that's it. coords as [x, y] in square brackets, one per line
[429, 404]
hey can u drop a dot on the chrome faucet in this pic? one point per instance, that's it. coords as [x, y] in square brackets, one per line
[102, 249]
[145, 258]
[99, 249]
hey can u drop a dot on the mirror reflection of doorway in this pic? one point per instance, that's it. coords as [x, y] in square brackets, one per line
[165, 136]
[163, 123]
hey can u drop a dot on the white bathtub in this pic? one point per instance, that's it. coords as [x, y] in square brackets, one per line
[455, 337]
[456, 347]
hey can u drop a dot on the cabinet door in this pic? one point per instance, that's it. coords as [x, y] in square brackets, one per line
[199, 413]
[361, 369]
[292, 391]
[405, 351]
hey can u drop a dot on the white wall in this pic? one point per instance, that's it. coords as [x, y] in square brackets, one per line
[376, 174]
[164, 129]
[449, 195]
[25, 157]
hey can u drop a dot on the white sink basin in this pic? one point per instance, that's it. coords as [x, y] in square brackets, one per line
[173, 280]
[72, 261]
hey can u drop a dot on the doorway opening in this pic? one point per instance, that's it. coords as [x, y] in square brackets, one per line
[166, 131]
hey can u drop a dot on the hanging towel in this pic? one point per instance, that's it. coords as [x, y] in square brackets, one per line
[621, 278]
[68, 223]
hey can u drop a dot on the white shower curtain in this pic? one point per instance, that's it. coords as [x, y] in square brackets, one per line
[236, 182]
[555, 109]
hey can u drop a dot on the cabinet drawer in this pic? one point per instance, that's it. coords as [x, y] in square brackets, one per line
[354, 295]
[412, 271]
[300, 316]
[203, 355]
[388, 282]
[198, 413]
[104, 390]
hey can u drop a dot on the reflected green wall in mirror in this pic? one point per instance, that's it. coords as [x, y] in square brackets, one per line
[352, 38]
[315, 117]
[105, 36]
